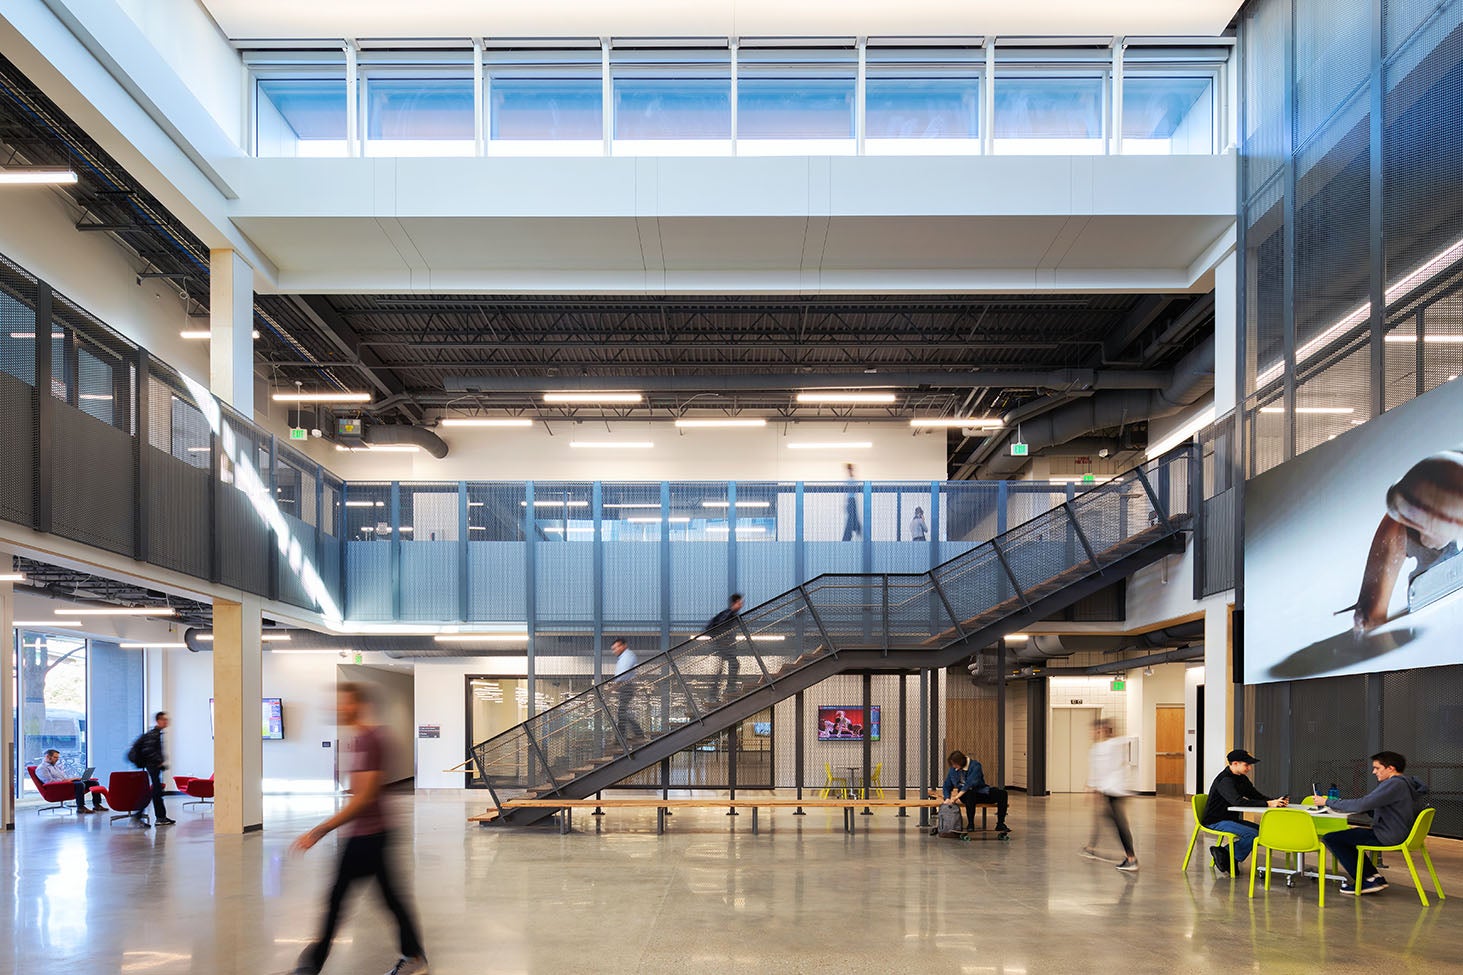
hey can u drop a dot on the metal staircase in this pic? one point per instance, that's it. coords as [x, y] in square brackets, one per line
[837, 622]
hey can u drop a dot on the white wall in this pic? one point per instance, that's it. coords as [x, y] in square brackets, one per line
[1193, 747]
[1145, 695]
[695, 455]
[185, 36]
[38, 232]
[441, 699]
[393, 697]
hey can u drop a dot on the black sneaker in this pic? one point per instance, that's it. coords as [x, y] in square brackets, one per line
[1220, 856]
[1372, 885]
[167, 822]
[1002, 828]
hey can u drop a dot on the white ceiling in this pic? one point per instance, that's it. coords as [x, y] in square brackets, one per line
[718, 18]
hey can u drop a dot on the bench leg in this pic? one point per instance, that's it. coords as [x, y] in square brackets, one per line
[754, 820]
[660, 820]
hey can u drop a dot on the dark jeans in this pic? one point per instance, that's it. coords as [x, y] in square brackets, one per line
[1343, 844]
[1113, 808]
[362, 858]
[1244, 837]
[992, 794]
[730, 684]
[159, 811]
[629, 727]
[852, 525]
[83, 786]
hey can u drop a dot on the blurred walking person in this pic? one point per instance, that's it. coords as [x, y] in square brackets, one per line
[363, 821]
[1108, 773]
[723, 632]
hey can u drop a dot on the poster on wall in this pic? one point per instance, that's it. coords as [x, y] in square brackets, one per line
[1352, 550]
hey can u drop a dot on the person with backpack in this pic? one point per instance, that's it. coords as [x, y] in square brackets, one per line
[147, 753]
[1394, 804]
[965, 786]
[722, 630]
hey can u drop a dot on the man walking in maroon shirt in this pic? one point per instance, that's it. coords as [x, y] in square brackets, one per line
[364, 856]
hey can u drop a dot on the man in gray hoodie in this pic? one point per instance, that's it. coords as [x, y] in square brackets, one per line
[1394, 805]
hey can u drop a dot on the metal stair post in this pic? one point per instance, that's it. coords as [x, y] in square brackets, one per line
[945, 601]
[690, 698]
[548, 769]
[599, 695]
[1001, 555]
[1153, 499]
[1081, 535]
[818, 620]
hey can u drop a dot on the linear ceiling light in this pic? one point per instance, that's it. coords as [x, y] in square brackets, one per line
[1427, 339]
[339, 396]
[748, 422]
[31, 335]
[1016, 637]
[480, 637]
[153, 646]
[647, 505]
[266, 637]
[1325, 410]
[845, 397]
[813, 445]
[37, 176]
[593, 397]
[978, 422]
[380, 448]
[486, 421]
[740, 504]
[558, 504]
[656, 521]
[203, 334]
[612, 444]
[365, 504]
[66, 623]
[121, 611]
[12, 577]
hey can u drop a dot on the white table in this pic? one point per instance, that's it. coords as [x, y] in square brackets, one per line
[1322, 814]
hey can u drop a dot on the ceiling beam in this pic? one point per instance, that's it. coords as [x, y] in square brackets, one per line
[1133, 325]
[339, 333]
[1059, 379]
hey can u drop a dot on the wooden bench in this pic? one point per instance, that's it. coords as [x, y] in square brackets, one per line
[566, 807]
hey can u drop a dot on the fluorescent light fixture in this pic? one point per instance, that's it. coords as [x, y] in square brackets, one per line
[31, 335]
[656, 521]
[1322, 410]
[405, 528]
[1080, 479]
[480, 637]
[980, 422]
[740, 504]
[768, 637]
[476, 528]
[1183, 434]
[573, 530]
[96, 397]
[365, 504]
[846, 397]
[203, 334]
[339, 396]
[591, 398]
[265, 637]
[1427, 339]
[12, 577]
[558, 504]
[636, 505]
[486, 421]
[728, 422]
[24, 623]
[380, 448]
[342, 650]
[37, 176]
[749, 529]
[1016, 637]
[199, 450]
[121, 611]
[153, 646]
[850, 445]
[612, 444]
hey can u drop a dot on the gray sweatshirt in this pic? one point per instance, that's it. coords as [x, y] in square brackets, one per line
[1394, 805]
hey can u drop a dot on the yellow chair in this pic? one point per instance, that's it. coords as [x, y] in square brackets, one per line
[1416, 842]
[833, 782]
[1288, 831]
[874, 785]
[1199, 803]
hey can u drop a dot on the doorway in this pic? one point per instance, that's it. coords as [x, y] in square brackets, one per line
[1071, 738]
[1169, 750]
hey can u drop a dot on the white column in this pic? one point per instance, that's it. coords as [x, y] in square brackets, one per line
[231, 330]
[238, 745]
[1219, 688]
[1226, 335]
[7, 699]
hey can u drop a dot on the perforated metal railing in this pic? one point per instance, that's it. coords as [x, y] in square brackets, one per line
[836, 621]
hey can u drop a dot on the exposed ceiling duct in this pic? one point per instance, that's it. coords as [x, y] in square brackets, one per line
[379, 434]
[1041, 648]
[974, 379]
[1191, 379]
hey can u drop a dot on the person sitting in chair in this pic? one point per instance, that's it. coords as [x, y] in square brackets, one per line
[52, 772]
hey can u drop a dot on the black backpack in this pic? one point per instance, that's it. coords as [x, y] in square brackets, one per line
[137, 754]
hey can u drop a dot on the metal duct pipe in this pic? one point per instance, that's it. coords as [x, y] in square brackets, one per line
[1191, 379]
[1046, 646]
[401, 433]
[1022, 413]
[1118, 666]
[1059, 379]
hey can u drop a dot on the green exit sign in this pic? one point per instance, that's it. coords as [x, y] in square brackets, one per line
[1019, 449]
[1120, 685]
[299, 433]
[1089, 478]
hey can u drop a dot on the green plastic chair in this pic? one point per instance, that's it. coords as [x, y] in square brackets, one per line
[1325, 824]
[1416, 842]
[1288, 831]
[1199, 802]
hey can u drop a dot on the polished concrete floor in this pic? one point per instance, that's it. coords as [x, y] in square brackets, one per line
[803, 896]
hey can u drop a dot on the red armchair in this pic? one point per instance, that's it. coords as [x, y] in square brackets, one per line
[200, 789]
[127, 793]
[61, 794]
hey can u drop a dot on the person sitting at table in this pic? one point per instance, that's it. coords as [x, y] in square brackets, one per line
[51, 770]
[1232, 787]
[965, 784]
[1394, 804]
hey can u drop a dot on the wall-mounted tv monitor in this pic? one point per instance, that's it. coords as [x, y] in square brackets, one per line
[1354, 549]
[847, 724]
[762, 729]
[272, 713]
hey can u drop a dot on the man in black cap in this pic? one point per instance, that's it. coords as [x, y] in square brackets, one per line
[1233, 787]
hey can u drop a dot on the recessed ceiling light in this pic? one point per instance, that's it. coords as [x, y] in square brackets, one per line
[486, 421]
[593, 397]
[338, 396]
[833, 396]
[612, 444]
[814, 445]
[746, 422]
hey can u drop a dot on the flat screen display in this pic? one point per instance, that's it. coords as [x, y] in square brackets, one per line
[272, 713]
[1352, 549]
[847, 724]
